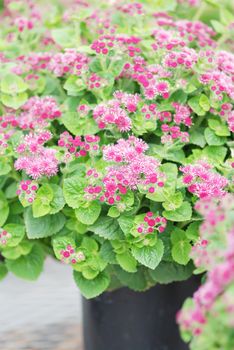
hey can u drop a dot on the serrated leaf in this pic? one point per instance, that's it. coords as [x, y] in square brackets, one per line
[107, 253]
[92, 288]
[14, 101]
[183, 213]
[192, 232]
[107, 228]
[149, 256]
[196, 137]
[212, 139]
[215, 154]
[73, 190]
[4, 209]
[58, 201]
[78, 125]
[13, 253]
[12, 84]
[168, 272]
[88, 214]
[204, 102]
[127, 262]
[195, 106]
[41, 205]
[113, 212]
[219, 127]
[17, 233]
[174, 201]
[218, 27]
[29, 266]
[180, 252]
[44, 226]
[135, 281]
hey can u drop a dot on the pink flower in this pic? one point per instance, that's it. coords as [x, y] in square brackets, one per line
[202, 181]
[35, 159]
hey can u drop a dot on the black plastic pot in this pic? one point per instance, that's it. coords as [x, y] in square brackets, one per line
[128, 320]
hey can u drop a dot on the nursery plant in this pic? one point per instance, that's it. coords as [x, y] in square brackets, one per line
[116, 118]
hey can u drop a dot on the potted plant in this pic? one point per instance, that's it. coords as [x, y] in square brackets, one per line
[115, 120]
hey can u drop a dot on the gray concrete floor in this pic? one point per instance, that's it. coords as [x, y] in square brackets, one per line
[50, 306]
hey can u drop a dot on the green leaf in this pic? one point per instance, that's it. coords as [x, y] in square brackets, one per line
[174, 201]
[65, 37]
[13, 253]
[204, 102]
[219, 127]
[29, 266]
[127, 262]
[179, 96]
[177, 235]
[215, 154]
[218, 27]
[88, 214]
[226, 16]
[113, 212]
[192, 232]
[149, 256]
[73, 190]
[196, 137]
[58, 201]
[43, 227]
[107, 228]
[3, 271]
[135, 281]
[5, 167]
[14, 101]
[92, 288]
[12, 84]
[212, 139]
[17, 234]
[41, 205]
[74, 85]
[4, 209]
[90, 244]
[126, 223]
[183, 213]
[180, 252]
[117, 67]
[107, 253]
[194, 104]
[167, 272]
[78, 125]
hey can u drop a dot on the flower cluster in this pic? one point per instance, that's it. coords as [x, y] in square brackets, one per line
[112, 114]
[75, 147]
[37, 111]
[69, 62]
[202, 181]
[215, 254]
[131, 169]
[27, 190]
[35, 159]
[4, 237]
[151, 223]
[70, 256]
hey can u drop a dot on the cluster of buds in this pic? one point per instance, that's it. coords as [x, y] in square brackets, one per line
[70, 256]
[151, 223]
[4, 237]
[75, 147]
[27, 190]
